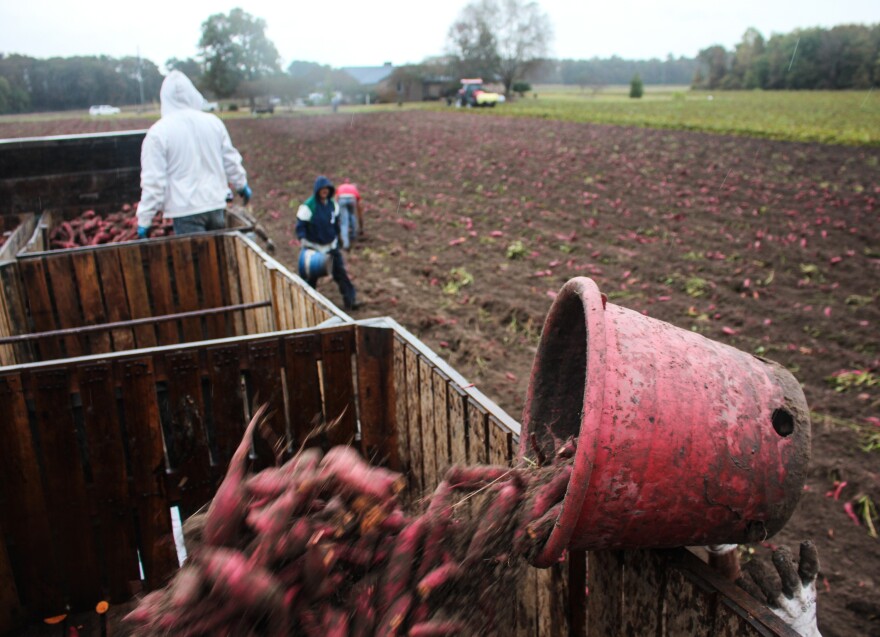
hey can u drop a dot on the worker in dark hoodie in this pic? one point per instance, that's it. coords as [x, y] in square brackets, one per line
[317, 227]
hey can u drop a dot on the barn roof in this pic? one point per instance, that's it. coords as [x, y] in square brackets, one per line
[366, 75]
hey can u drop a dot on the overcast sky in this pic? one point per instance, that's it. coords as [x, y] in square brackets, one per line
[369, 33]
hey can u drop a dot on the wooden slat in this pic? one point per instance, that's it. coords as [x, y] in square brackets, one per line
[7, 352]
[301, 354]
[227, 405]
[527, 603]
[441, 422]
[278, 309]
[642, 585]
[264, 377]
[301, 308]
[478, 433]
[400, 415]
[185, 284]
[159, 284]
[247, 292]
[132, 265]
[205, 248]
[577, 598]
[147, 456]
[264, 272]
[116, 545]
[605, 603]
[499, 443]
[64, 480]
[426, 403]
[552, 610]
[63, 288]
[113, 286]
[377, 396]
[336, 348]
[686, 613]
[289, 301]
[191, 457]
[33, 277]
[26, 518]
[14, 313]
[458, 429]
[11, 612]
[92, 301]
[233, 286]
[414, 421]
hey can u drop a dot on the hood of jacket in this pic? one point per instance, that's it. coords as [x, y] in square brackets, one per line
[323, 182]
[178, 94]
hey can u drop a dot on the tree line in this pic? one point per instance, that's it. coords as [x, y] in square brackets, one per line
[842, 57]
[500, 40]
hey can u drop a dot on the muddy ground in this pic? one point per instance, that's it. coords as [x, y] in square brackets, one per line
[473, 222]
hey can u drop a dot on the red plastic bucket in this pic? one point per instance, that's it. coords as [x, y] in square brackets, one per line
[681, 440]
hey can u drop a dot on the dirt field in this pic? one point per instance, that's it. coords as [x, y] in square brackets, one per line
[473, 223]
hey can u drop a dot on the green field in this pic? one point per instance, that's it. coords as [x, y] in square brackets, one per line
[837, 117]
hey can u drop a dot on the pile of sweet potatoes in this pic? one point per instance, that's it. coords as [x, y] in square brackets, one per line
[91, 229]
[320, 545]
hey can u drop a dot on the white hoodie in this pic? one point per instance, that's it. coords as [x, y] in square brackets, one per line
[187, 158]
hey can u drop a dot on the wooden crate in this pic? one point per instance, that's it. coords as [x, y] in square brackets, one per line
[124, 436]
[131, 284]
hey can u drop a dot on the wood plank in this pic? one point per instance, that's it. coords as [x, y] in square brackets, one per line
[400, 416]
[441, 421]
[14, 311]
[189, 453]
[577, 593]
[92, 302]
[686, 610]
[643, 581]
[66, 498]
[265, 386]
[339, 399]
[278, 307]
[301, 354]
[185, 285]
[527, 603]
[140, 407]
[205, 248]
[117, 549]
[11, 613]
[478, 433]
[605, 603]
[26, 518]
[159, 284]
[233, 286]
[414, 422]
[7, 352]
[377, 396]
[226, 403]
[66, 292]
[300, 307]
[247, 292]
[113, 286]
[289, 301]
[553, 608]
[500, 443]
[426, 404]
[131, 262]
[39, 303]
[458, 426]
[264, 272]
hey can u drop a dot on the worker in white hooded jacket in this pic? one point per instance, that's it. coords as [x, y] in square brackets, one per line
[188, 163]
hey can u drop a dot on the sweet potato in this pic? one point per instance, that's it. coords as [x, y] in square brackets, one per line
[495, 519]
[436, 628]
[394, 618]
[400, 563]
[440, 576]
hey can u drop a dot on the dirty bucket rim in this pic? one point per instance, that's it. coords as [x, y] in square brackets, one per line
[585, 291]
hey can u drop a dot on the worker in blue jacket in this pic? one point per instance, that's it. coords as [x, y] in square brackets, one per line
[317, 227]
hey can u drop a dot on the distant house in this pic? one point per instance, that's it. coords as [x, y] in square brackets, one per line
[369, 77]
[416, 83]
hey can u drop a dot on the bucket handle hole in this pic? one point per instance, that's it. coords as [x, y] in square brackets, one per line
[783, 422]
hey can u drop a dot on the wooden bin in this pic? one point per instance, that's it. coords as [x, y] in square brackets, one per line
[118, 297]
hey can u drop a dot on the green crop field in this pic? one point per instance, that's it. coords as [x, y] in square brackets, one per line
[837, 117]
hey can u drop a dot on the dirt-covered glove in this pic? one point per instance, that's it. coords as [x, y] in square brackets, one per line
[791, 590]
[143, 232]
[245, 193]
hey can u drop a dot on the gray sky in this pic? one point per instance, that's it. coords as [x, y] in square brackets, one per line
[358, 33]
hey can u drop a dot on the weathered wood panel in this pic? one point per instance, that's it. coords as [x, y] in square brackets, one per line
[26, 519]
[400, 401]
[233, 283]
[414, 422]
[428, 433]
[377, 396]
[132, 263]
[92, 302]
[205, 251]
[33, 276]
[337, 347]
[113, 289]
[110, 493]
[147, 457]
[65, 490]
[478, 430]
[301, 355]
[458, 426]
[226, 400]
[183, 268]
[159, 284]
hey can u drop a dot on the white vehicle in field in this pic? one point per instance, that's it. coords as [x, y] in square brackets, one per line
[104, 109]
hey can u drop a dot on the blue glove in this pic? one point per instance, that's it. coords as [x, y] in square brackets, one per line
[142, 232]
[246, 194]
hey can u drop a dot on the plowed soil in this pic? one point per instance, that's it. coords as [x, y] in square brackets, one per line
[474, 222]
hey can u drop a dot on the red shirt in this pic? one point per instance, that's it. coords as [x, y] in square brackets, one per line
[348, 189]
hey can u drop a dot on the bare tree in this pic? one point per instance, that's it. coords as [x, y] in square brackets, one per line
[500, 39]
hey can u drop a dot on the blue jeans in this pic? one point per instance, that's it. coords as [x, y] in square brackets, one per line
[201, 222]
[348, 224]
